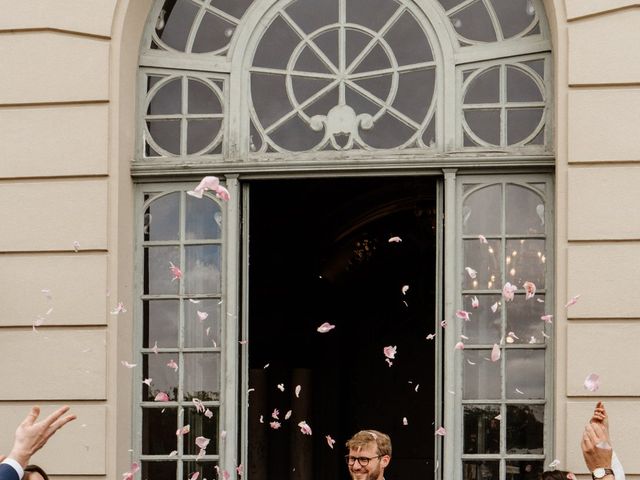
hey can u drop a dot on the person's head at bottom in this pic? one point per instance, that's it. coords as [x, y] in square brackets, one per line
[34, 472]
[557, 475]
[369, 454]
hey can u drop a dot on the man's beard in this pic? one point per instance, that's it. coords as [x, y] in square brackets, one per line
[371, 475]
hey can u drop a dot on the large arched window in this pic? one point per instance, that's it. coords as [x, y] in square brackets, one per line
[260, 88]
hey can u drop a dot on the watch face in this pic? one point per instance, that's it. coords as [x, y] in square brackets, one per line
[599, 473]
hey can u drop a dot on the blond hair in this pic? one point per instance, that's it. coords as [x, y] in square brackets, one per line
[365, 437]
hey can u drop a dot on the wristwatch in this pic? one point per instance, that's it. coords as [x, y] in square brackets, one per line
[601, 473]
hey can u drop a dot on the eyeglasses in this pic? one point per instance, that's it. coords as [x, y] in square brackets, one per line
[363, 461]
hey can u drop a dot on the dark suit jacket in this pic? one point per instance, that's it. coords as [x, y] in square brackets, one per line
[7, 472]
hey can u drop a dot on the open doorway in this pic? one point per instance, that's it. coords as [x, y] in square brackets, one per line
[319, 252]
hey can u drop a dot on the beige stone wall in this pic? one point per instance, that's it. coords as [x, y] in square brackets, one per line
[598, 248]
[63, 179]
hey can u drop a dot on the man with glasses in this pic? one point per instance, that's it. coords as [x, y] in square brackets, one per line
[369, 455]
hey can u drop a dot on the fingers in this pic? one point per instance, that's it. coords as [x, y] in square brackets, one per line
[51, 419]
[31, 417]
[57, 425]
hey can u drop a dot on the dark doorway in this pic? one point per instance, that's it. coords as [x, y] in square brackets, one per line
[319, 251]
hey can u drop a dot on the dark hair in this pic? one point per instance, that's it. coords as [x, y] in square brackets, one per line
[37, 469]
[556, 475]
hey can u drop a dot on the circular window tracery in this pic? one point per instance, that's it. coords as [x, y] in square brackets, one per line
[344, 85]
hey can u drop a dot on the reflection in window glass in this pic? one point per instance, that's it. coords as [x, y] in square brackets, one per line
[482, 212]
[524, 373]
[161, 319]
[525, 428]
[200, 426]
[202, 323]
[164, 378]
[523, 319]
[481, 429]
[202, 269]
[482, 261]
[159, 430]
[159, 470]
[161, 218]
[204, 219]
[485, 325]
[481, 470]
[524, 469]
[157, 273]
[202, 376]
[525, 262]
[481, 375]
[525, 211]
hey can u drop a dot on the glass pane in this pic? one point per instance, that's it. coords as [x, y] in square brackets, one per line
[158, 278]
[473, 22]
[161, 320]
[479, 470]
[521, 86]
[201, 426]
[312, 15]
[481, 375]
[177, 25]
[514, 15]
[375, 59]
[483, 260]
[525, 429]
[415, 92]
[201, 133]
[204, 219]
[162, 218]
[296, 135]
[273, 106]
[484, 327]
[276, 46]
[370, 13]
[404, 36]
[485, 124]
[202, 376]
[522, 122]
[198, 330]
[202, 269]
[525, 262]
[481, 429]
[168, 99]
[388, 132]
[202, 98]
[163, 378]
[524, 210]
[482, 212]
[485, 88]
[213, 33]
[525, 373]
[159, 430]
[523, 319]
[166, 133]
[159, 470]
[206, 469]
[524, 469]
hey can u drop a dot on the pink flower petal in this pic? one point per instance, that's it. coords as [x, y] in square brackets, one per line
[199, 407]
[325, 327]
[275, 425]
[494, 307]
[208, 413]
[547, 318]
[482, 239]
[287, 415]
[147, 381]
[194, 476]
[405, 422]
[173, 364]
[202, 442]
[330, 441]
[183, 431]
[304, 428]
[281, 387]
[76, 246]
[155, 348]
[128, 365]
[459, 346]
[173, 453]
[207, 183]
[240, 470]
[472, 273]
[463, 315]
[475, 303]
[202, 316]
[388, 361]
[119, 309]
[395, 240]
[275, 414]
[441, 431]
[592, 382]
[530, 289]
[161, 397]
[508, 292]
[297, 391]
[573, 301]
[495, 352]
[390, 351]
[222, 193]
[175, 271]
[431, 336]
[405, 289]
